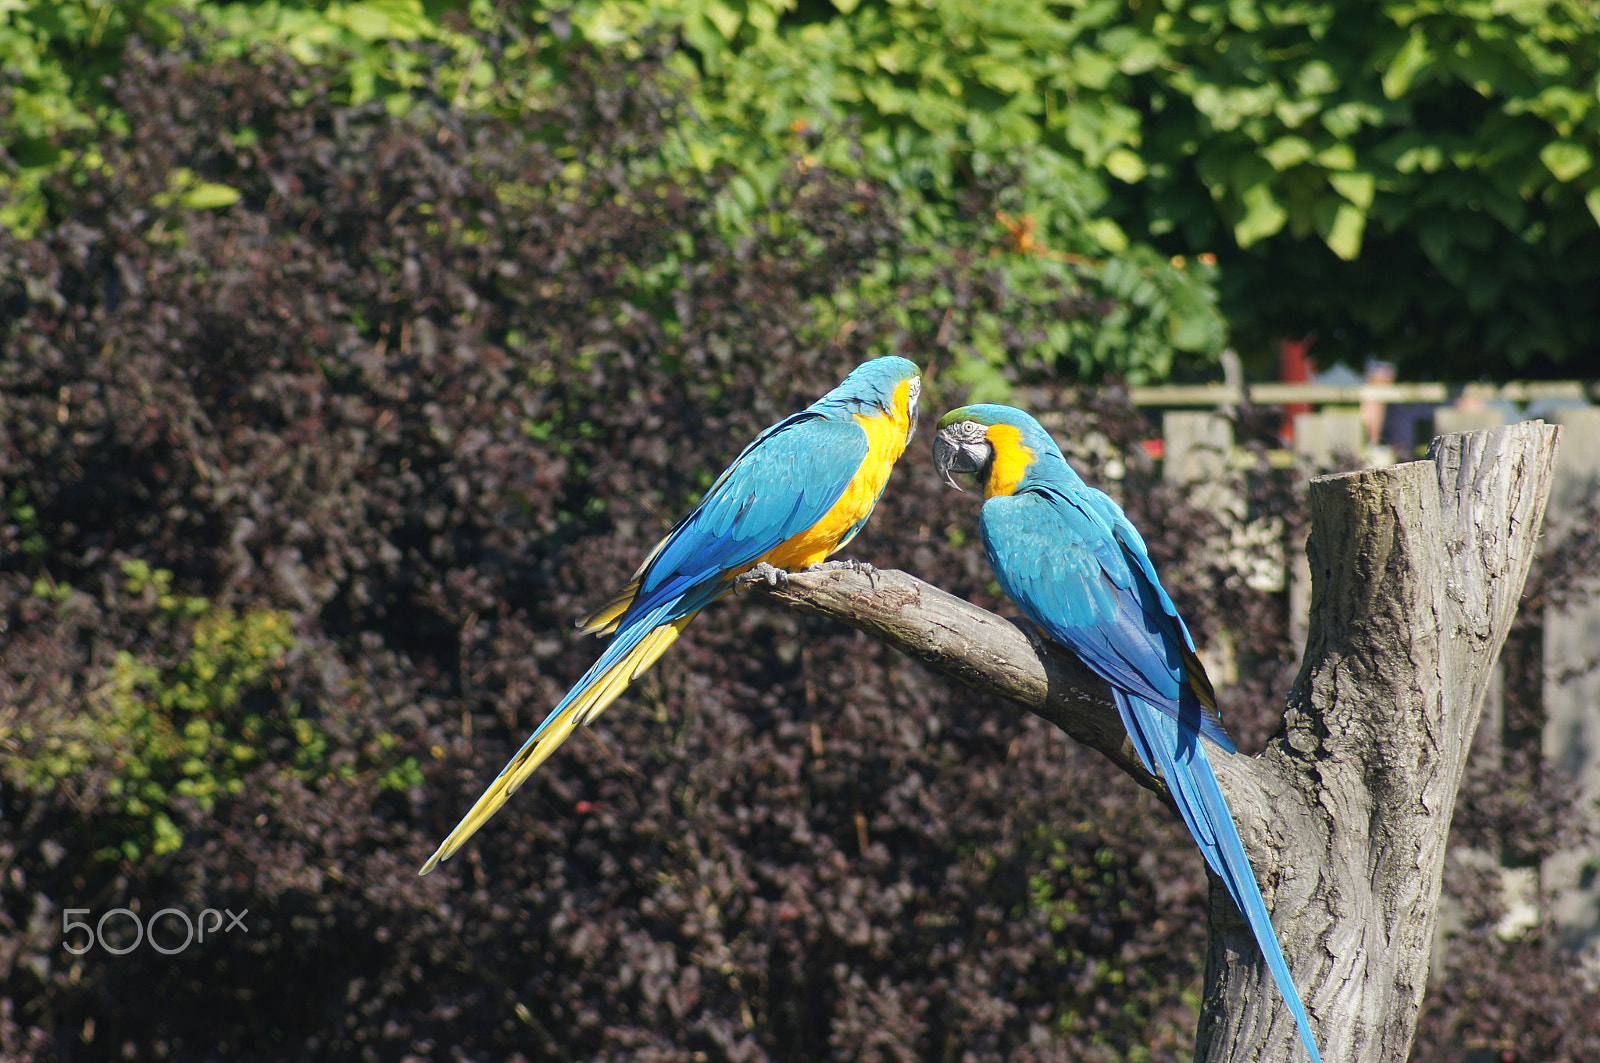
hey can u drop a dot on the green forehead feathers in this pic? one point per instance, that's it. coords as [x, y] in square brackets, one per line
[962, 414]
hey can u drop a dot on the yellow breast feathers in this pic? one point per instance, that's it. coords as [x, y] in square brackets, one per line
[886, 441]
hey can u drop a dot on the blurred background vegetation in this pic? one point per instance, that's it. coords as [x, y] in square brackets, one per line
[351, 349]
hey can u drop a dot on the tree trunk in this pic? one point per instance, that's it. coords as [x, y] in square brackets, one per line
[1417, 570]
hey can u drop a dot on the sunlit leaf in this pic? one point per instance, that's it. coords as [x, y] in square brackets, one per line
[1286, 152]
[1413, 57]
[1355, 187]
[1566, 159]
[1263, 216]
[1125, 165]
[1344, 236]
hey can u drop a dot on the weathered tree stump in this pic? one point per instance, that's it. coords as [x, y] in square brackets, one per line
[1417, 570]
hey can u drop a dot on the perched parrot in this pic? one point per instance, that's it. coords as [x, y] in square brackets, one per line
[801, 490]
[1075, 565]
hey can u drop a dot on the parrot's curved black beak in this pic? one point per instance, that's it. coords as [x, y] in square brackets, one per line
[953, 455]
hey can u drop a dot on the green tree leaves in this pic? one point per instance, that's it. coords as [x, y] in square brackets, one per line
[936, 99]
[1460, 137]
[1285, 136]
[1289, 137]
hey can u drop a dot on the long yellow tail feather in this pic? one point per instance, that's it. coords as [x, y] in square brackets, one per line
[604, 620]
[601, 692]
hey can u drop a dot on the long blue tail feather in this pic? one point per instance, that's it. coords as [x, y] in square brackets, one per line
[1177, 754]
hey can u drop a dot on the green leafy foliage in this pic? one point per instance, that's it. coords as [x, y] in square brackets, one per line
[1402, 179]
[185, 719]
[932, 100]
[1455, 144]
[1413, 180]
[1406, 179]
[58, 56]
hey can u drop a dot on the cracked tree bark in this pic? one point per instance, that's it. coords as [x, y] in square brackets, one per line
[1417, 570]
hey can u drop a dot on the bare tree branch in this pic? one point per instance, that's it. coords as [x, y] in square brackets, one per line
[983, 650]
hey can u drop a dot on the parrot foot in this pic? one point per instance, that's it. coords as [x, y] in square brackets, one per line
[771, 574]
[850, 563]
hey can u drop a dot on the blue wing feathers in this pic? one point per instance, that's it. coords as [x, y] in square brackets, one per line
[1047, 562]
[779, 486]
[1075, 573]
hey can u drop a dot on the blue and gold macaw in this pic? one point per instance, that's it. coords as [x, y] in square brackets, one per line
[1076, 566]
[801, 490]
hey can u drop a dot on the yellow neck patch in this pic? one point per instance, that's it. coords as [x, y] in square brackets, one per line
[1011, 459]
[886, 432]
[902, 407]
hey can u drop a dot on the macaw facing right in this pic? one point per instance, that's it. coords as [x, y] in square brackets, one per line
[800, 491]
[1073, 562]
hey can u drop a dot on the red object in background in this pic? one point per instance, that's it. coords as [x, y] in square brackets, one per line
[1156, 448]
[1295, 366]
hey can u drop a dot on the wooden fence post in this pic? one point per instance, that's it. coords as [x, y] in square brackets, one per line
[1571, 739]
[1320, 440]
[1448, 419]
[1196, 449]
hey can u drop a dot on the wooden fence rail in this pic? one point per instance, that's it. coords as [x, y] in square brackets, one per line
[1274, 394]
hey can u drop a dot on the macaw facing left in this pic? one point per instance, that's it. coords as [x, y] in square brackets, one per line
[801, 490]
[1076, 566]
